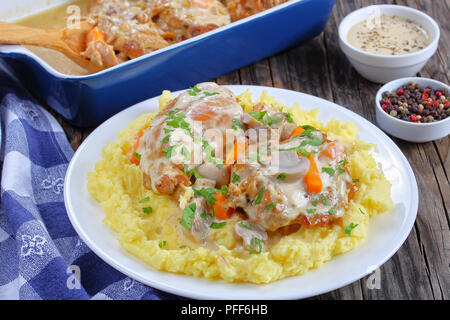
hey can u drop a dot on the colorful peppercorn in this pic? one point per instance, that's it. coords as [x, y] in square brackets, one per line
[414, 103]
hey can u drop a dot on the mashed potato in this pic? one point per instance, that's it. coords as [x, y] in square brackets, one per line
[154, 237]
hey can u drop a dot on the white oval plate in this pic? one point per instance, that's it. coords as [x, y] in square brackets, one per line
[387, 231]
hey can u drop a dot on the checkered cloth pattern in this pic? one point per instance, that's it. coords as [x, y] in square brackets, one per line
[41, 255]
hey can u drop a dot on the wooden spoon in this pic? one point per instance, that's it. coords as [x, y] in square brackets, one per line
[69, 41]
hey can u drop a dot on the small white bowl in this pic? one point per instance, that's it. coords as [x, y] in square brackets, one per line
[383, 68]
[411, 131]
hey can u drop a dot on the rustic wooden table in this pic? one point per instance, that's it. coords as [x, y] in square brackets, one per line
[421, 268]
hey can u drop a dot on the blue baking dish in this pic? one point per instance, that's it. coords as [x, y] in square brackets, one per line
[91, 99]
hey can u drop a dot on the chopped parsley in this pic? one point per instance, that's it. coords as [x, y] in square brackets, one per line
[210, 155]
[236, 124]
[315, 202]
[258, 115]
[137, 155]
[243, 225]
[144, 200]
[185, 152]
[182, 247]
[192, 172]
[308, 128]
[168, 130]
[349, 228]
[355, 180]
[281, 176]
[271, 121]
[330, 171]
[311, 211]
[210, 93]
[271, 206]
[235, 177]
[177, 121]
[169, 151]
[207, 193]
[325, 201]
[162, 244]
[147, 209]
[340, 170]
[255, 246]
[188, 215]
[165, 139]
[260, 195]
[224, 190]
[332, 211]
[193, 90]
[289, 118]
[217, 225]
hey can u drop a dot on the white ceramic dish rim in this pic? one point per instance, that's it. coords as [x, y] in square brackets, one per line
[438, 84]
[343, 37]
[22, 50]
[406, 226]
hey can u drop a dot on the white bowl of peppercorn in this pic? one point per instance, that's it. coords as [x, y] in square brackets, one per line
[414, 109]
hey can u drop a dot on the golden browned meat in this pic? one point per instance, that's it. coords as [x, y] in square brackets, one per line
[181, 19]
[240, 9]
[127, 29]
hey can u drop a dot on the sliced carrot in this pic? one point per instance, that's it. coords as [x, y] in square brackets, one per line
[312, 177]
[219, 207]
[95, 34]
[203, 112]
[238, 148]
[332, 151]
[296, 131]
[133, 158]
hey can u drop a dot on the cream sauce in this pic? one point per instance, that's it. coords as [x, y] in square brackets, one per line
[56, 19]
[388, 35]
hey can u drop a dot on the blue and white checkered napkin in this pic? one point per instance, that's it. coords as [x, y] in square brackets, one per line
[41, 255]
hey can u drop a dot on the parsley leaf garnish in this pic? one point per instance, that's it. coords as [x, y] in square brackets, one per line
[210, 93]
[147, 209]
[271, 206]
[137, 155]
[349, 228]
[325, 200]
[281, 176]
[289, 118]
[260, 195]
[193, 90]
[169, 151]
[236, 124]
[330, 171]
[258, 115]
[217, 225]
[311, 211]
[243, 225]
[165, 139]
[188, 216]
[235, 177]
[207, 193]
[144, 200]
[256, 247]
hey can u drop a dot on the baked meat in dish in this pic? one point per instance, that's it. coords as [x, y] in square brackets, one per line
[127, 29]
[240, 9]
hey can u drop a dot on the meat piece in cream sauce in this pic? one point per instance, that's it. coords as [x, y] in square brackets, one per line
[258, 166]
